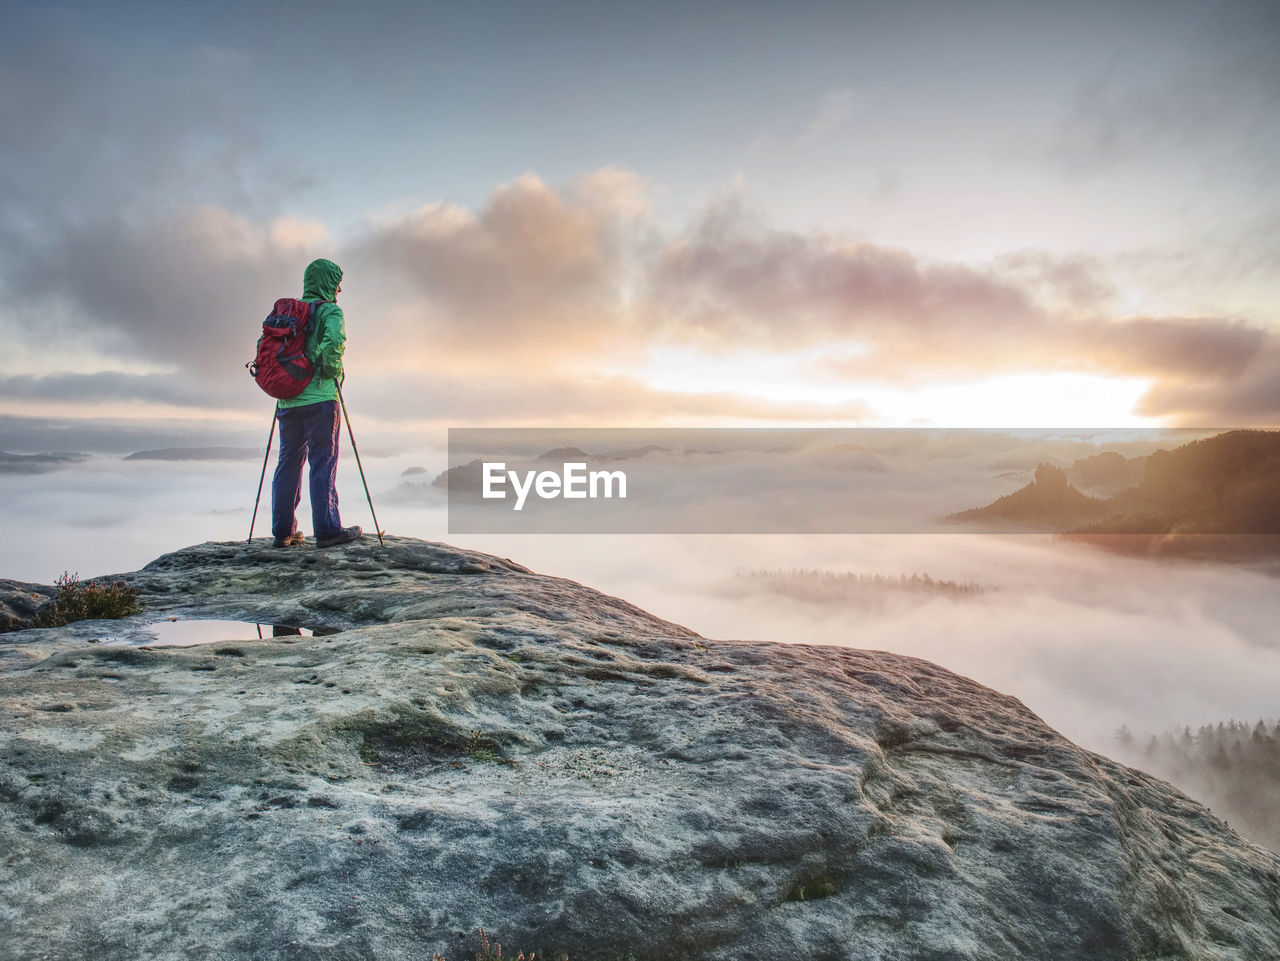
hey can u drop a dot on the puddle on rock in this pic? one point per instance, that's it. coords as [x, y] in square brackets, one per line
[187, 631]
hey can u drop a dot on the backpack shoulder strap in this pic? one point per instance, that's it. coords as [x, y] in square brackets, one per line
[313, 323]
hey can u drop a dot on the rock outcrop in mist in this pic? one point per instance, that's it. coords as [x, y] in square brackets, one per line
[1212, 498]
[1049, 502]
[482, 745]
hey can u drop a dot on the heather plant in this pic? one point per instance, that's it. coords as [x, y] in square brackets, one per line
[78, 601]
[493, 952]
[481, 748]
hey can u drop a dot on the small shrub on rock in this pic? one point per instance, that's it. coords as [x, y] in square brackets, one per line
[78, 601]
[493, 952]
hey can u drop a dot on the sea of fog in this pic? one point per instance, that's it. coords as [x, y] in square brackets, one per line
[1087, 640]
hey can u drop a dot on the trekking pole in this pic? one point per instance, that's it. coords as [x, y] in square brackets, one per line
[253, 520]
[356, 451]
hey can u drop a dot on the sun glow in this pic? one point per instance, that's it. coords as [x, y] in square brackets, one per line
[1051, 399]
[1020, 400]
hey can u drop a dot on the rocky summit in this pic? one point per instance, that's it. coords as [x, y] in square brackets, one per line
[483, 746]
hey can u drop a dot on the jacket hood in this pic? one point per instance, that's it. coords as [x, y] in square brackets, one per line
[320, 280]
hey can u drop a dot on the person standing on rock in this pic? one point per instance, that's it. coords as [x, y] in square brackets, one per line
[309, 423]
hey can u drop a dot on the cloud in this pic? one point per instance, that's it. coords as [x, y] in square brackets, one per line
[559, 288]
[98, 122]
[107, 386]
[185, 289]
[539, 398]
[730, 279]
[1213, 105]
[1200, 347]
[1070, 283]
[118, 435]
[534, 266]
[445, 397]
[834, 111]
[1251, 399]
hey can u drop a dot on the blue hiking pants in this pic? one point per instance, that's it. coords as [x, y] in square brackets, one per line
[308, 433]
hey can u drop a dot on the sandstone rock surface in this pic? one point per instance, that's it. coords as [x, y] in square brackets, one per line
[19, 601]
[486, 746]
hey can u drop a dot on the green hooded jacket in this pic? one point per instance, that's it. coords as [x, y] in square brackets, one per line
[328, 337]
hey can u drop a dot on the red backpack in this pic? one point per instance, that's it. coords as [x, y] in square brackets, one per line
[282, 367]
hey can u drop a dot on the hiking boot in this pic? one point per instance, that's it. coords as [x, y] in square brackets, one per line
[293, 540]
[343, 536]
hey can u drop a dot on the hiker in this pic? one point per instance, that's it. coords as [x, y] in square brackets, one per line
[309, 422]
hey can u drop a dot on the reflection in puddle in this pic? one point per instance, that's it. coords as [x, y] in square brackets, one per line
[181, 630]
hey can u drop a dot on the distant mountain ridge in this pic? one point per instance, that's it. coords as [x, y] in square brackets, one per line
[1107, 473]
[38, 463]
[1220, 486]
[1049, 501]
[196, 453]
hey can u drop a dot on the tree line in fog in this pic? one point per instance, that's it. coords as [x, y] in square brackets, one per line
[809, 584]
[1232, 767]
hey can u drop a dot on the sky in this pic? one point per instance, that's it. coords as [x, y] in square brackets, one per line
[986, 214]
